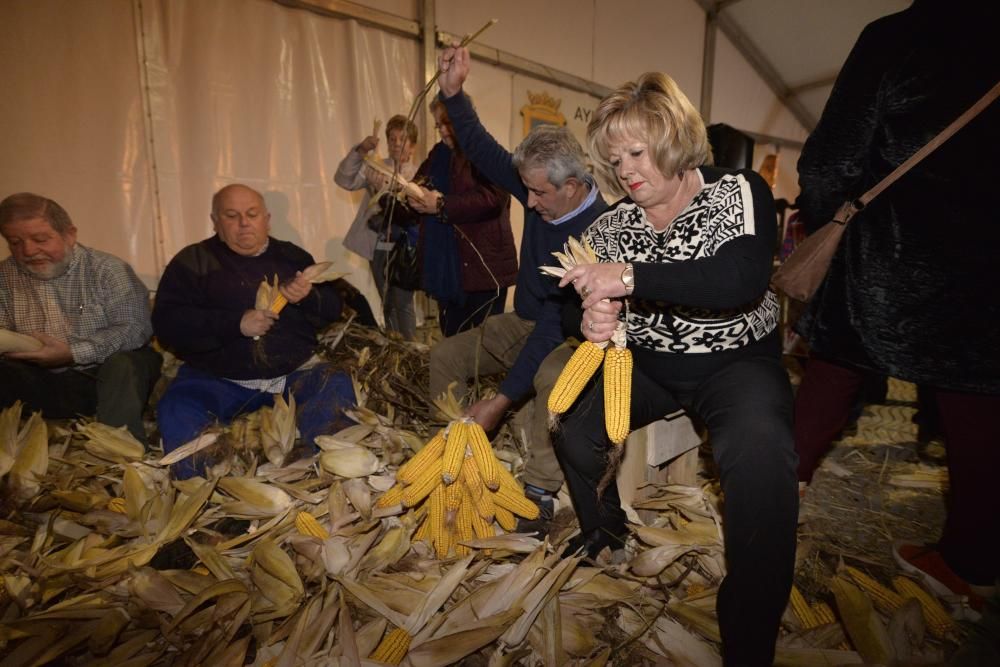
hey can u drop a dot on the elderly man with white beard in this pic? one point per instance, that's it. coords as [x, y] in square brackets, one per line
[88, 312]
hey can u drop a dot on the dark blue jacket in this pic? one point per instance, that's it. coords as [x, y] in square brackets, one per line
[203, 294]
[537, 297]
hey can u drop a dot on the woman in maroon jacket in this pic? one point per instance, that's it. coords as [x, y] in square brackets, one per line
[469, 259]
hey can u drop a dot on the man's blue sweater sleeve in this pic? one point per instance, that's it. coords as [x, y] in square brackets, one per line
[545, 337]
[489, 157]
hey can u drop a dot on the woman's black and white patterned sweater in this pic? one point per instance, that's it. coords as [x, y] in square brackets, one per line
[701, 296]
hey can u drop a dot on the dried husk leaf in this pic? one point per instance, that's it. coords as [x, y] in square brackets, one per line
[259, 499]
[112, 444]
[32, 459]
[866, 630]
[450, 649]
[156, 591]
[350, 462]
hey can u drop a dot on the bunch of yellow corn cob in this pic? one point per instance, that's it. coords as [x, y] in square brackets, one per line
[587, 358]
[464, 487]
[617, 382]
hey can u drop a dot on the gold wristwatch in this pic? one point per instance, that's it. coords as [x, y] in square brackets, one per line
[628, 278]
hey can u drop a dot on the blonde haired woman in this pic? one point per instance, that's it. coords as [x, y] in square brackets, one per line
[689, 249]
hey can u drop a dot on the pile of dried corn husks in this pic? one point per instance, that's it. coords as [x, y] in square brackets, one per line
[281, 560]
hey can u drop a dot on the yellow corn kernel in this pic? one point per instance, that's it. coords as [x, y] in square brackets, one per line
[516, 503]
[439, 529]
[575, 376]
[505, 518]
[429, 453]
[938, 620]
[482, 527]
[482, 453]
[463, 522]
[823, 613]
[307, 524]
[453, 497]
[482, 499]
[802, 609]
[423, 533]
[278, 303]
[394, 496]
[885, 599]
[393, 647]
[454, 451]
[428, 480]
[617, 393]
[117, 505]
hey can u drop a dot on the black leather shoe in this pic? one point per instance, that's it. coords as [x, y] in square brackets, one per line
[594, 541]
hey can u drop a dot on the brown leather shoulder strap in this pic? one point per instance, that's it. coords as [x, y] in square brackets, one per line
[929, 147]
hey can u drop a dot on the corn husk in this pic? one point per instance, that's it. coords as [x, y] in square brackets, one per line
[11, 341]
[350, 462]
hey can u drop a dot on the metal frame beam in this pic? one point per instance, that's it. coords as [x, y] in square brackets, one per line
[425, 31]
[759, 62]
[513, 63]
[344, 9]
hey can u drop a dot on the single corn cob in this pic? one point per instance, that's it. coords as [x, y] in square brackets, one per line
[278, 302]
[117, 505]
[429, 480]
[938, 620]
[453, 497]
[307, 524]
[574, 376]
[439, 528]
[463, 522]
[423, 533]
[885, 599]
[454, 451]
[394, 496]
[480, 497]
[393, 647]
[617, 393]
[430, 452]
[802, 609]
[823, 613]
[506, 519]
[481, 527]
[482, 453]
[516, 503]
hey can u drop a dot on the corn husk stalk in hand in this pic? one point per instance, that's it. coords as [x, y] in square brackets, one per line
[396, 181]
[12, 341]
[587, 358]
[269, 296]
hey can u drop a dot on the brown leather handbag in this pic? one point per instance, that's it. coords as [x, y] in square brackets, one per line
[802, 273]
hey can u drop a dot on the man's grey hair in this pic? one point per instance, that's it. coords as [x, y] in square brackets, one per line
[28, 205]
[554, 149]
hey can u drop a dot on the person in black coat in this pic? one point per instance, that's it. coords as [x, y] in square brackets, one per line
[911, 292]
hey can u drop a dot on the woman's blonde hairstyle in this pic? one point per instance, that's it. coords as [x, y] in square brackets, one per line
[651, 109]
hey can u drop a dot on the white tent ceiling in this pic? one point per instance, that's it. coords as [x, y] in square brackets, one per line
[798, 46]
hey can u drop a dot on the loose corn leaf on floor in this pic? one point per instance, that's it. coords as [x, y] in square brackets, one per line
[104, 560]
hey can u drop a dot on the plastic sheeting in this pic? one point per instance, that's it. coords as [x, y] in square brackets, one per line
[256, 93]
[71, 120]
[134, 134]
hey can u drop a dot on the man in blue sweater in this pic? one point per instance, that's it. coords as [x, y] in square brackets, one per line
[547, 174]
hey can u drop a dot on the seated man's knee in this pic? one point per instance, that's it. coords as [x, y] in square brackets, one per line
[549, 370]
[131, 368]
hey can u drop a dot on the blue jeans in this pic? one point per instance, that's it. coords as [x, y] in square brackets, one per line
[196, 399]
